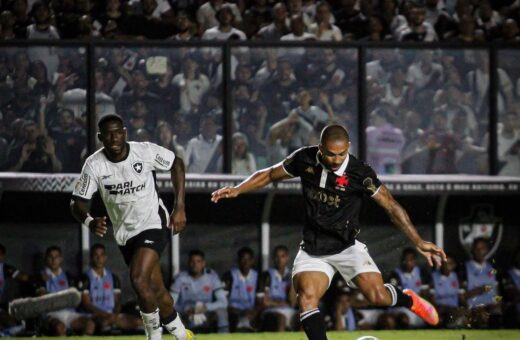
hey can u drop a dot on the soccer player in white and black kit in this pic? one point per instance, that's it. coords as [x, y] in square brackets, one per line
[124, 174]
[334, 183]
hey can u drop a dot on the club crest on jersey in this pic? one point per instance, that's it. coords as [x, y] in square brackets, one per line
[341, 182]
[138, 167]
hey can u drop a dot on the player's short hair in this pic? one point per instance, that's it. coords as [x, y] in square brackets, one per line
[95, 247]
[109, 118]
[196, 252]
[408, 251]
[2, 249]
[280, 247]
[333, 132]
[53, 248]
[245, 250]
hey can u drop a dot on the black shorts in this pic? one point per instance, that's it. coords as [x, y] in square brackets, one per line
[156, 239]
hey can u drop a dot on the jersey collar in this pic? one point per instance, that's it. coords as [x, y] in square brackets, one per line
[338, 172]
[49, 272]
[124, 158]
[96, 274]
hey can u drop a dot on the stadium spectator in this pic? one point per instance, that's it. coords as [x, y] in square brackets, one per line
[185, 27]
[241, 283]
[312, 114]
[510, 284]
[345, 15]
[70, 140]
[139, 118]
[298, 33]
[101, 295]
[275, 295]
[479, 280]
[466, 32]
[242, 161]
[207, 14]
[200, 297]
[279, 90]
[224, 30]
[192, 85]
[146, 24]
[279, 25]
[167, 139]
[256, 16]
[344, 318]
[20, 10]
[37, 154]
[288, 135]
[409, 276]
[323, 29]
[385, 143]
[510, 31]
[391, 16]
[203, 151]
[417, 29]
[8, 325]
[54, 279]
[140, 90]
[488, 19]
[7, 24]
[396, 91]
[447, 294]
[508, 145]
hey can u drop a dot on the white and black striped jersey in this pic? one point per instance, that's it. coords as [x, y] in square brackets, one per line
[127, 188]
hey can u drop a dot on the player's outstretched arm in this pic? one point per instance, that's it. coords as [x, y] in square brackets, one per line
[400, 218]
[79, 209]
[257, 180]
[178, 216]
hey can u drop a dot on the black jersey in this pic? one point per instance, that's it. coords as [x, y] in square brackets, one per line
[332, 199]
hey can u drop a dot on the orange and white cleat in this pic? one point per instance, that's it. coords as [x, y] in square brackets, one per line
[423, 308]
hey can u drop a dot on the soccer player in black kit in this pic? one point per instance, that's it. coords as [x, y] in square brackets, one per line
[334, 183]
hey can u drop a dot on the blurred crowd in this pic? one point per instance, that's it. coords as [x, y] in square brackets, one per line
[427, 109]
[463, 21]
[468, 293]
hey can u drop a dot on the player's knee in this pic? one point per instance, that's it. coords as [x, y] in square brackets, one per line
[139, 281]
[308, 299]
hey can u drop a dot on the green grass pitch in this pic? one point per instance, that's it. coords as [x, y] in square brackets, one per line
[382, 335]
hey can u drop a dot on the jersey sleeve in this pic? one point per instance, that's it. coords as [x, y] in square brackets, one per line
[293, 163]
[370, 182]
[86, 186]
[162, 158]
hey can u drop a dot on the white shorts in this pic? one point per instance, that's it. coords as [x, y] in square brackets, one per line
[350, 262]
[66, 316]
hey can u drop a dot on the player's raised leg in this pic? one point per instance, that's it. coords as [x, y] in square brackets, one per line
[379, 293]
[310, 287]
[141, 267]
[169, 317]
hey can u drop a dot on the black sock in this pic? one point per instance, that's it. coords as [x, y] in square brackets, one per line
[399, 299]
[313, 324]
[169, 318]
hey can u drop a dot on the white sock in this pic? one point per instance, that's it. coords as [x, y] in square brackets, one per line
[176, 328]
[152, 325]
